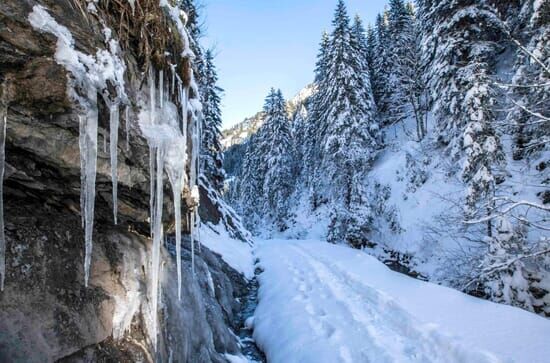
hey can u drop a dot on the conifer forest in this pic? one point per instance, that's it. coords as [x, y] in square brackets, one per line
[396, 208]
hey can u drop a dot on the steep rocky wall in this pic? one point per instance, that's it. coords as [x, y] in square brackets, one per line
[46, 313]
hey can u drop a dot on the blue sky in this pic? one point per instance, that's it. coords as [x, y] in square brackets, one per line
[261, 44]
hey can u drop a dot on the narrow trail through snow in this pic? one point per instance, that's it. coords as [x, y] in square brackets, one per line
[325, 303]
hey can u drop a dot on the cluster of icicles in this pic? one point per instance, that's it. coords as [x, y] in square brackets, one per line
[166, 127]
[166, 130]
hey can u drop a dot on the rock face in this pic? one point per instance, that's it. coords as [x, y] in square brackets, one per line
[46, 313]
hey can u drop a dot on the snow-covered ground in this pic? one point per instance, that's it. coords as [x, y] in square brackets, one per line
[320, 302]
[235, 253]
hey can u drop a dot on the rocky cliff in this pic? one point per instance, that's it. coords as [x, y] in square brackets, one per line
[46, 312]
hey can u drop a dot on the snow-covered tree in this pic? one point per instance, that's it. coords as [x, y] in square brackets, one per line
[382, 66]
[247, 192]
[278, 182]
[408, 96]
[266, 181]
[370, 54]
[317, 105]
[529, 90]
[348, 129]
[457, 35]
[481, 144]
[211, 150]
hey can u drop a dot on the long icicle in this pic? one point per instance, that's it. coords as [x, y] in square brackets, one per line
[82, 147]
[151, 188]
[161, 88]
[113, 126]
[199, 143]
[157, 240]
[176, 176]
[192, 218]
[3, 123]
[90, 169]
[176, 186]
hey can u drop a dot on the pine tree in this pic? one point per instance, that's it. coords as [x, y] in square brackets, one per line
[371, 54]
[382, 66]
[311, 153]
[265, 183]
[247, 193]
[403, 54]
[530, 91]
[348, 131]
[278, 179]
[211, 150]
[359, 43]
[464, 34]
[458, 72]
[482, 145]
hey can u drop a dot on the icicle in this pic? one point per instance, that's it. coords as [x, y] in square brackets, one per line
[192, 235]
[3, 123]
[105, 142]
[88, 159]
[113, 125]
[198, 219]
[127, 124]
[82, 147]
[161, 88]
[157, 239]
[152, 86]
[177, 208]
[151, 188]
[176, 177]
[173, 84]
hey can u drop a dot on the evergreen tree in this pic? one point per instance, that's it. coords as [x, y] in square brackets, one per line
[266, 182]
[382, 66]
[211, 150]
[347, 133]
[247, 194]
[465, 34]
[371, 54]
[403, 57]
[278, 179]
[530, 89]
[359, 43]
[482, 145]
[458, 71]
[311, 153]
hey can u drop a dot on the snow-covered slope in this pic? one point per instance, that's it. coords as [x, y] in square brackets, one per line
[321, 302]
[234, 252]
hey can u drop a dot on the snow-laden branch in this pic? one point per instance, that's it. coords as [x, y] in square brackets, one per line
[526, 51]
[532, 113]
[507, 210]
[511, 85]
[489, 270]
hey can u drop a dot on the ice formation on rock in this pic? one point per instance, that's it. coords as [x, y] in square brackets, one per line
[165, 126]
[3, 123]
[114, 120]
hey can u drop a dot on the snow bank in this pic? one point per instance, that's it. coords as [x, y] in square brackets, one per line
[325, 303]
[235, 253]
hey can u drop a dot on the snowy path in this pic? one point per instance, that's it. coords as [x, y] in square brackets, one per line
[325, 303]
